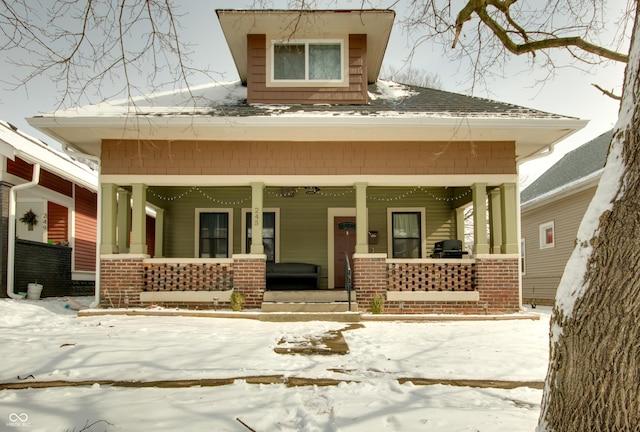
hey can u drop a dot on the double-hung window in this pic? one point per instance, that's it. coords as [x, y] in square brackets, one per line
[407, 234]
[214, 233]
[307, 61]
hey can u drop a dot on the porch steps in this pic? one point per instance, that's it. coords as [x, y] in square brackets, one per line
[316, 305]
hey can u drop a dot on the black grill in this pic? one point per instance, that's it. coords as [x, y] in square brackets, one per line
[448, 249]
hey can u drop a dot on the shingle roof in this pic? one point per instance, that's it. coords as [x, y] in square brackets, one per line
[577, 164]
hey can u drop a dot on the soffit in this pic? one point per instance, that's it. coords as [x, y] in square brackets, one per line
[292, 24]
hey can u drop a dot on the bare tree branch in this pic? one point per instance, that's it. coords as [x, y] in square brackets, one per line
[608, 93]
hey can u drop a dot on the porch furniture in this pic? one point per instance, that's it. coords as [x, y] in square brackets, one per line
[448, 249]
[292, 276]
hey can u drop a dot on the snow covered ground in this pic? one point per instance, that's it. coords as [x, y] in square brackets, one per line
[43, 341]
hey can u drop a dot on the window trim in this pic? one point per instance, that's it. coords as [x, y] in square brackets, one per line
[271, 81]
[196, 239]
[423, 229]
[243, 234]
[542, 230]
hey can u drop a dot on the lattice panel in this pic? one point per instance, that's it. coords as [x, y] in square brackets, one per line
[188, 277]
[431, 277]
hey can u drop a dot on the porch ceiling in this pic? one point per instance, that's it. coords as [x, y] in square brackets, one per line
[531, 136]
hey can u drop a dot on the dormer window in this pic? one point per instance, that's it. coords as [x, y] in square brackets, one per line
[307, 61]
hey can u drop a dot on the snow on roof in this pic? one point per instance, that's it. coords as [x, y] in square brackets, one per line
[14, 142]
[386, 99]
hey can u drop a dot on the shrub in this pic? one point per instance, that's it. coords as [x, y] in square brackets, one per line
[237, 301]
[377, 304]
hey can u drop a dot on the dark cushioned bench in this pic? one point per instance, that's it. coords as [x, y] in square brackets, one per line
[292, 276]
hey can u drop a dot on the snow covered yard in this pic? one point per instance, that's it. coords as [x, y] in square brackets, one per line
[43, 341]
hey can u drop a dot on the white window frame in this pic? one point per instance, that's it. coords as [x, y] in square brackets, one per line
[243, 234]
[423, 229]
[543, 235]
[196, 239]
[344, 69]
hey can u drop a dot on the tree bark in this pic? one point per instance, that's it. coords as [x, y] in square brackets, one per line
[593, 381]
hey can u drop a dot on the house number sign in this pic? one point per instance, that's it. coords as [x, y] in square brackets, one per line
[256, 216]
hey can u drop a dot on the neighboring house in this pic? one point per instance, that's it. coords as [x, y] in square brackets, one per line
[308, 159]
[552, 208]
[60, 195]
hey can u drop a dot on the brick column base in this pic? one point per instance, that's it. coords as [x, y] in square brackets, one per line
[369, 278]
[249, 278]
[121, 280]
[497, 282]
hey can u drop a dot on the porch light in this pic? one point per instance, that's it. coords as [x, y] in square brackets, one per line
[311, 190]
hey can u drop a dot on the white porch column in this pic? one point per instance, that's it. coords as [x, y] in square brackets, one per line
[108, 222]
[257, 207]
[362, 225]
[159, 250]
[509, 195]
[480, 242]
[124, 220]
[139, 219]
[495, 220]
[460, 224]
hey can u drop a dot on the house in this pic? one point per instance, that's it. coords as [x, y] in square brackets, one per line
[49, 218]
[309, 159]
[552, 208]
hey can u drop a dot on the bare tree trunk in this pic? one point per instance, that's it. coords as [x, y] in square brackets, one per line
[593, 382]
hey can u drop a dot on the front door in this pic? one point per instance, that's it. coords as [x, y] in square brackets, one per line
[344, 233]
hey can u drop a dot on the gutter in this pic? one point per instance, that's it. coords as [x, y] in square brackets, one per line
[11, 246]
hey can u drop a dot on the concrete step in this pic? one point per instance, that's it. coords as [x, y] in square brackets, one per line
[306, 316]
[308, 307]
[311, 296]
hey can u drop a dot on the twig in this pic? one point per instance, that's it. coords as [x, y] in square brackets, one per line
[245, 425]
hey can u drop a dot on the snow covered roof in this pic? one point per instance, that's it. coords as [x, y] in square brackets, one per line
[16, 143]
[394, 111]
[583, 164]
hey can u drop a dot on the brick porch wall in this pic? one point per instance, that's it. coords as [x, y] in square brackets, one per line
[121, 281]
[249, 278]
[369, 278]
[497, 279]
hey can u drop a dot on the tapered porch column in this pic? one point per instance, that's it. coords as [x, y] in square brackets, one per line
[257, 206]
[460, 224]
[508, 193]
[480, 242]
[108, 225]
[362, 225]
[139, 219]
[124, 220]
[495, 220]
[159, 251]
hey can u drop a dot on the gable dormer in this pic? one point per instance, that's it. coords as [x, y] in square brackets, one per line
[307, 57]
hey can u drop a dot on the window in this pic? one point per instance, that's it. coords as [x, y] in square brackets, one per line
[406, 234]
[307, 61]
[214, 229]
[268, 234]
[547, 235]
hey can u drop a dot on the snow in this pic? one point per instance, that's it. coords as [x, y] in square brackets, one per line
[44, 341]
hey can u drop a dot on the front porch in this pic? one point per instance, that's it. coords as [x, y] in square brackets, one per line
[199, 263]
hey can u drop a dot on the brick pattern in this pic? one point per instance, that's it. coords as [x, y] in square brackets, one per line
[369, 279]
[498, 284]
[250, 279]
[121, 281]
[306, 158]
[188, 277]
[431, 277]
[50, 265]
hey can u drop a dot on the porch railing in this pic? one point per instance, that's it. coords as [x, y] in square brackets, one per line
[188, 275]
[431, 275]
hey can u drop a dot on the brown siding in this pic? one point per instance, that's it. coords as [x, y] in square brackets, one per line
[544, 267]
[85, 229]
[57, 223]
[258, 92]
[23, 169]
[309, 158]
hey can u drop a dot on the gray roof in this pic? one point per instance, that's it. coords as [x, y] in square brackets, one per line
[577, 164]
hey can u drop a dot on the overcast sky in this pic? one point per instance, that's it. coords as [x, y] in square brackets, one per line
[568, 93]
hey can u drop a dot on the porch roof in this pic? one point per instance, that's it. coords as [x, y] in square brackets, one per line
[395, 112]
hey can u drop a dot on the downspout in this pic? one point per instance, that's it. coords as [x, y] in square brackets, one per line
[11, 241]
[71, 150]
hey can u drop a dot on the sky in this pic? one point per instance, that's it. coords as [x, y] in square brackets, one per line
[569, 92]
